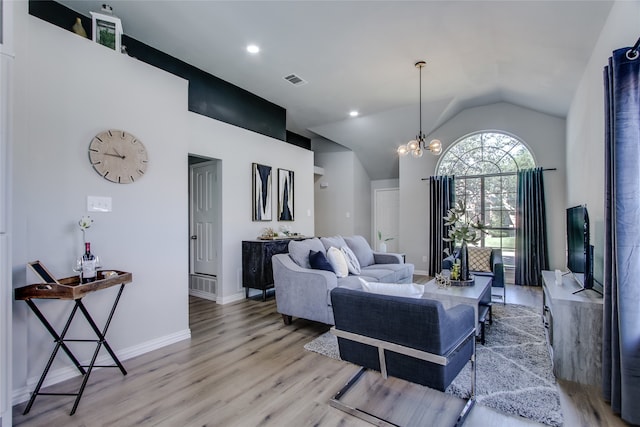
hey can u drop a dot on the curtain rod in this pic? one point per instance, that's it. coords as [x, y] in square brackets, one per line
[491, 175]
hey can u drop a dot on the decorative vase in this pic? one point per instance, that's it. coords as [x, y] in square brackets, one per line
[382, 247]
[464, 262]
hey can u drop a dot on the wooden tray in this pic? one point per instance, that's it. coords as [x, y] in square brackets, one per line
[70, 287]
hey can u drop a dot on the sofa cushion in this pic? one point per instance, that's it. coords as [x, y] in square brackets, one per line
[299, 250]
[319, 261]
[338, 262]
[361, 248]
[411, 290]
[374, 274]
[352, 261]
[335, 241]
[479, 259]
[402, 272]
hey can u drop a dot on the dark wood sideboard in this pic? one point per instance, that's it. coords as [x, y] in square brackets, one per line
[257, 271]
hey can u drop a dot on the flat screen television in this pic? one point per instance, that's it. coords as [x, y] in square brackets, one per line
[579, 251]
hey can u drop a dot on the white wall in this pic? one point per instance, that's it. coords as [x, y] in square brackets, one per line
[6, 294]
[362, 213]
[69, 89]
[237, 149]
[334, 203]
[585, 124]
[543, 134]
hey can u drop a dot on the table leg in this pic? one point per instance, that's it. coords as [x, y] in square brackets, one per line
[101, 342]
[60, 343]
[59, 340]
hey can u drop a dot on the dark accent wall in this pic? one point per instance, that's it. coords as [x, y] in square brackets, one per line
[208, 94]
[299, 140]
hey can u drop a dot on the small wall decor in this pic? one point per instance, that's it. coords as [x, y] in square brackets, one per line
[285, 195]
[106, 28]
[261, 186]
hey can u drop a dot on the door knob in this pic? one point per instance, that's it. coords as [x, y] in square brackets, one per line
[194, 237]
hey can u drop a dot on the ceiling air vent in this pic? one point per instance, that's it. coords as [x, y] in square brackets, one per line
[295, 80]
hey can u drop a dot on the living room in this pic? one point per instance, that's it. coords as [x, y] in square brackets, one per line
[66, 89]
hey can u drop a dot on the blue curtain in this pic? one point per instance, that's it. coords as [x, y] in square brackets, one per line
[532, 255]
[441, 196]
[621, 328]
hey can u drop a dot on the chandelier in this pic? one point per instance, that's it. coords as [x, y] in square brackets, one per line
[418, 146]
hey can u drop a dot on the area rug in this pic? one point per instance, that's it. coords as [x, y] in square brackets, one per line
[514, 371]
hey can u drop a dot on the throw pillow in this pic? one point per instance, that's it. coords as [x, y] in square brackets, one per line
[319, 262]
[352, 261]
[299, 250]
[479, 259]
[410, 290]
[361, 248]
[336, 241]
[337, 261]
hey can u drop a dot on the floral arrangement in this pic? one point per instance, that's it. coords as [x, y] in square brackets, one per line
[84, 223]
[462, 228]
[380, 237]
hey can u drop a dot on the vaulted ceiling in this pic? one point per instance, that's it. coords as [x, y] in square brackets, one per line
[360, 55]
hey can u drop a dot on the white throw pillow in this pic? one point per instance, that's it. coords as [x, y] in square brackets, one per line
[352, 261]
[338, 262]
[411, 290]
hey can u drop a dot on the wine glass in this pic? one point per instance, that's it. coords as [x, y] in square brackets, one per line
[77, 266]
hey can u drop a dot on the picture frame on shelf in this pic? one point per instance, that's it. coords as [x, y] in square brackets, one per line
[261, 192]
[285, 195]
[106, 30]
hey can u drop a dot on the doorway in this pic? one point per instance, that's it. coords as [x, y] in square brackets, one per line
[386, 218]
[204, 226]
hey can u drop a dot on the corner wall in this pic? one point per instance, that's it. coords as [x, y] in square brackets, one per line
[585, 124]
[68, 90]
[342, 195]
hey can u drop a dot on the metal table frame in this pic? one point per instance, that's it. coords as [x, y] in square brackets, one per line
[75, 292]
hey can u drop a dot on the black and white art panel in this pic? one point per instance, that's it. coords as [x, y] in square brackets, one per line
[261, 192]
[285, 195]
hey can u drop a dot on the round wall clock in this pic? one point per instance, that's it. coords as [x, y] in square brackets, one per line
[118, 156]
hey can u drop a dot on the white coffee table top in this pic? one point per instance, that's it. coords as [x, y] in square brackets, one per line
[473, 293]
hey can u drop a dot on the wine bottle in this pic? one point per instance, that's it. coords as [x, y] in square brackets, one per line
[88, 264]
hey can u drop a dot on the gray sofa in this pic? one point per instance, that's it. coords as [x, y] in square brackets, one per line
[304, 292]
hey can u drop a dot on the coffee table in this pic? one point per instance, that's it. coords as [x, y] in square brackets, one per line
[480, 293]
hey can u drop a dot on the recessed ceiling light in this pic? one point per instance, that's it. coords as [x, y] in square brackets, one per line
[252, 48]
[353, 113]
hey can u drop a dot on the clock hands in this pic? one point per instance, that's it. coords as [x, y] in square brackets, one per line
[115, 155]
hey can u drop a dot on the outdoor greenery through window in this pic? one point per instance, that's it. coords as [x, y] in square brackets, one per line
[484, 165]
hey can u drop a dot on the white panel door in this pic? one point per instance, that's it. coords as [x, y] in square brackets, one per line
[387, 214]
[204, 254]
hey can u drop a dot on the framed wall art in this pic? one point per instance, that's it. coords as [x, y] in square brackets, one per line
[285, 195]
[261, 189]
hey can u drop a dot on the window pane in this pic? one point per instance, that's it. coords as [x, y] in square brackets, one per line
[492, 199]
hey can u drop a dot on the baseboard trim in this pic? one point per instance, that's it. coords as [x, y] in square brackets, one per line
[55, 376]
[420, 272]
[203, 295]
[232, 298]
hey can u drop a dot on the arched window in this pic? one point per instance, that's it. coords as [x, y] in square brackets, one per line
[485, 166]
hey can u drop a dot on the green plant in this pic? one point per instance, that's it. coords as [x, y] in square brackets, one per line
[463, 229]
[380, 237]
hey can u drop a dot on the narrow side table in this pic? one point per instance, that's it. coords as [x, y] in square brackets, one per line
[70, 288]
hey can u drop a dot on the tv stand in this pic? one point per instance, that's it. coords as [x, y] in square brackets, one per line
[587, 289]
[573, 320]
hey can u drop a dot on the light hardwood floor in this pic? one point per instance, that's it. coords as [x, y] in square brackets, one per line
[244, 367]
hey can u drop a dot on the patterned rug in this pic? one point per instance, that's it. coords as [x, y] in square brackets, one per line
[514, 371]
